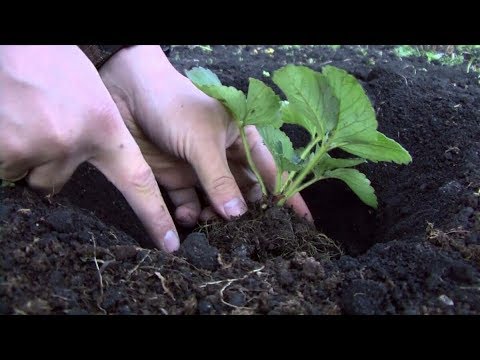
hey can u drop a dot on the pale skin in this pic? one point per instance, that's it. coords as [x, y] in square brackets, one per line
[139, 121]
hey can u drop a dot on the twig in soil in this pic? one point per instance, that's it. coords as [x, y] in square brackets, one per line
[325, 63]
[49, 198]
[60, 297]
[112, 234]
[226, 302]
[24, 211]
[222, 263]
[469, 288]
[433, 233]
[105, 264]
[164, 285]
[100, 279]
[135, 268]
[185, 262]
[454, 149]
[164, 312]
[414, 70]
[230, 282]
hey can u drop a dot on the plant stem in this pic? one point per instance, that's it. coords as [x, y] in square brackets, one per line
[250, 160]
[308, 183]
[296, 184]
[278, 182]
[305, 153]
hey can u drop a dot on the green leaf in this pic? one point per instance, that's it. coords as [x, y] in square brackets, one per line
[289, 116]
[262, 105]
[201, 76]
[299, 151]
[311, 101]
[358, 182]
[234, 100]
[381, 149]
[6, 183]
[356, 118]
[357, 132]
[328, 163]
[281, 148]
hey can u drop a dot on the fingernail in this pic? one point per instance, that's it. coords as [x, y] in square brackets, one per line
[171, 241]
[235, 207]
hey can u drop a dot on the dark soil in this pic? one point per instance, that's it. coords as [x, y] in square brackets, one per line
[270, 232]
[419, 253]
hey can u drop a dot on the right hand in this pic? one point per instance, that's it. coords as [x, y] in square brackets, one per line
[187, 137]
[55, 113]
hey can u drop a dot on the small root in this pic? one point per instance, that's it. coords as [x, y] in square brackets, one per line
[135, 268]
[164, 285]
[230, 282]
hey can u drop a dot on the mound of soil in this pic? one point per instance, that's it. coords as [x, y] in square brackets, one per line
[85, 252]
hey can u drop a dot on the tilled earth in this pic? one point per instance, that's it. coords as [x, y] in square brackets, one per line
[419, 253]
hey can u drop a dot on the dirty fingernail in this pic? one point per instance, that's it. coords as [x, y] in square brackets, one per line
[171, 241]
[235, 207]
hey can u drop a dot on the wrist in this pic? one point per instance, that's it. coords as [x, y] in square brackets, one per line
[100, 54]
[135, 67]
[142, 54]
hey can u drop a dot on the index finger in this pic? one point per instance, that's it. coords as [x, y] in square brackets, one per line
[124, 165]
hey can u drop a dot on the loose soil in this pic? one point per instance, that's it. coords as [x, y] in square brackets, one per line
[84, 251]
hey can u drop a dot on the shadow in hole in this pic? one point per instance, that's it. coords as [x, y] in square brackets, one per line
[341, 215]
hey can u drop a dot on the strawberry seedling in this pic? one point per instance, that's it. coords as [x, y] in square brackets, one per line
[331, 105]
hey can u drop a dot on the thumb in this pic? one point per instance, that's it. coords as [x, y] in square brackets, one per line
[211, 166]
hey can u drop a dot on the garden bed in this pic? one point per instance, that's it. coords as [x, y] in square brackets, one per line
[419, 253]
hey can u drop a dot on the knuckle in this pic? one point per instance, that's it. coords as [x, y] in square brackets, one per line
[223, 184]
[11, 152]
[57, 132]
[62, 140]
[142, 179]
[253, 137]
[198, 100]
[251, 132]
[106, 116]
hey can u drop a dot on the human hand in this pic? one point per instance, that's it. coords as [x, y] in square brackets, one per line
[55, 113]
[187, 137]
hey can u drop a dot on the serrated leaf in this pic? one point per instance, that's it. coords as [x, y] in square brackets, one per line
[289, 116]
[381, 149]
[311, 100]
[356, 118]
[328, 163]
[201, 76]
[281, 148]
[234, 100]
[263, 105]
[358, 182]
